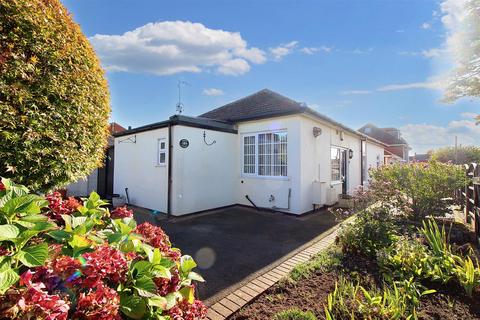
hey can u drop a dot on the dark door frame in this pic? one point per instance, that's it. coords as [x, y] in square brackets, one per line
[344, 169]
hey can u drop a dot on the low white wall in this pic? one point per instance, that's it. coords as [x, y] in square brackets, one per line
[203, 177]
[259, 189]
[136, 168]
[83, 187]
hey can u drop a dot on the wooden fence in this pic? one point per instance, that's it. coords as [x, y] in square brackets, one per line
[471, 198]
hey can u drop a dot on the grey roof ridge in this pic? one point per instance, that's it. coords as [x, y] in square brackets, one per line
[249, 96]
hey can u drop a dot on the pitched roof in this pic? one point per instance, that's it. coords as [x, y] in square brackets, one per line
[381, 134]
[267, 104]
[262, 104]
[115, 128]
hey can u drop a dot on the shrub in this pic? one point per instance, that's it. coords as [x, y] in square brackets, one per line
[371, 230]
[420, 189]
[54, 99]
[59, 261]
[294, 314]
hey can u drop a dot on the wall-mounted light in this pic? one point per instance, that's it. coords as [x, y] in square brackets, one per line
[317, 131]
[350, 153]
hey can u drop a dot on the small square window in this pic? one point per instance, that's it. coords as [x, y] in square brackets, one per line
[161, 152]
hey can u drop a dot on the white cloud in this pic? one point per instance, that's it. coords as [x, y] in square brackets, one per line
[213, 92]
[434, 52]
[170, 47]
[434, 83]
[356, 92]
[362, 51]
[469, 115]
[408, 53]
[313, 50]
[283, 50]
[428, 53]
[425, 25]
[423, 137]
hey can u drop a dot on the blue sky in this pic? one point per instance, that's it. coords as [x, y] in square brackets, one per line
[355, 61]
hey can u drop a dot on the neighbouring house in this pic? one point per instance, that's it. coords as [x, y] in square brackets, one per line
[420, 157]
[397, 147]
[264, 150]
[101, 179]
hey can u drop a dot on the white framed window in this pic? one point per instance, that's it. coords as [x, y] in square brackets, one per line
[364, 162]
[265, 154]
[249, 162]
[161, 152]
[335, 163]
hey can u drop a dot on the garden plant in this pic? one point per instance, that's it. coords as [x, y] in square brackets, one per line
[69, 259]
[416, 189]
[393, 260]
[54, 98]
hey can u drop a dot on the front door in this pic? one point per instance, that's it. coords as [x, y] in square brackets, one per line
[343, 170]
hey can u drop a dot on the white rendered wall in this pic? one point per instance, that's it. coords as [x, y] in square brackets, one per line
[375, 156]
[259, 189]
[203, 177]
[136, 168]
[315, 160]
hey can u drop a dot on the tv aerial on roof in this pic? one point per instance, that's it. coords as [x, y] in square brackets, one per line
[179, 107]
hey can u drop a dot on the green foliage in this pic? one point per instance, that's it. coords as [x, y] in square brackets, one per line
[467, 274]
[370, 231]
[149, 279]
[54, 99]
[326, 260]
[352, 301]
[409, 259]
[294, 314]
[418, 189]
[465, 154]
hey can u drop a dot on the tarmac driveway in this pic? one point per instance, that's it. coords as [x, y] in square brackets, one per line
[232, 244]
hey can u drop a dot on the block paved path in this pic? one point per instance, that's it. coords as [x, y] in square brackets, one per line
[225, 307]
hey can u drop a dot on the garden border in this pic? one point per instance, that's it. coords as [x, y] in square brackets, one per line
[233, 302]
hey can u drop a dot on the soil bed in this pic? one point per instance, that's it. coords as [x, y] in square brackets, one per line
[306, 294]
[310, 294]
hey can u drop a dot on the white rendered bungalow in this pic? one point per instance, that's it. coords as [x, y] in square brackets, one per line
[264, 150]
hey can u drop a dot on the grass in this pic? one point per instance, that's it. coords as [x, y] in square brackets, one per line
[294, 314]
[326, 260]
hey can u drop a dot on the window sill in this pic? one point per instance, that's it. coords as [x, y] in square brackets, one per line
[160, 165]
[335, 183]
[244, 176]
